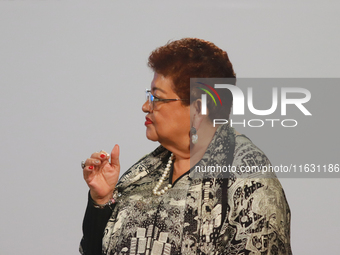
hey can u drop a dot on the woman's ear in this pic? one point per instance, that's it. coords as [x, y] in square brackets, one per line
[196, 108]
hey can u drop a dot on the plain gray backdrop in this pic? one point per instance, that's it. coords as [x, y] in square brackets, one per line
[73, 75]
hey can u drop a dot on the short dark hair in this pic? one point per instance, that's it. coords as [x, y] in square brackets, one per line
[192, 58]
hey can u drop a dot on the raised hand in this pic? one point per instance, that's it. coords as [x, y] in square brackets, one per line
[101, 175]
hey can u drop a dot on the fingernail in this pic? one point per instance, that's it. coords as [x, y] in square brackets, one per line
[97, 162]
[90, 167]
[103, 155]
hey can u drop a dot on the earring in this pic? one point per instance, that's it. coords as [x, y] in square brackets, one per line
[194, 136]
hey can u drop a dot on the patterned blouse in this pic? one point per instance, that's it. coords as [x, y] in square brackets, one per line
[209, 210]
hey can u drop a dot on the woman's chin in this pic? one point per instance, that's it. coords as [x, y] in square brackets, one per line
[151, 136]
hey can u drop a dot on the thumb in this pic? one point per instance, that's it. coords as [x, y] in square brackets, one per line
[115, 156]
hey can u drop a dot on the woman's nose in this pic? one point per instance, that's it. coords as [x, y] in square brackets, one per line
[146, 107]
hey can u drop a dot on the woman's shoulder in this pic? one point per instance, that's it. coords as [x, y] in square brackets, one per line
[250, 160]
[244, 145]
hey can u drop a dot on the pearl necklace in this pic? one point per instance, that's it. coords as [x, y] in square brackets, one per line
[158, 185]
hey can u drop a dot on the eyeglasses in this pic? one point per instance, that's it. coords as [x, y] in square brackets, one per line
[152, 99]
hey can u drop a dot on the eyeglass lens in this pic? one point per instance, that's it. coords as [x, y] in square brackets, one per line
[149, 98]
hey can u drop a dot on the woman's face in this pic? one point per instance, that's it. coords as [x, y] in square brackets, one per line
[168, 122]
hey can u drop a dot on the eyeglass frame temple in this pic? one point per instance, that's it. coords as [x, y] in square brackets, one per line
[164, 99]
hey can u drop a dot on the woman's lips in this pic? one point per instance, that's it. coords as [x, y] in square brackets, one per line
[148, 121]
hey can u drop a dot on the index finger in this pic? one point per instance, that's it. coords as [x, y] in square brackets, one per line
[102, 155]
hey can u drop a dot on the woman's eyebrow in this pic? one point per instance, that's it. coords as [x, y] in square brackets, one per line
[156, 88]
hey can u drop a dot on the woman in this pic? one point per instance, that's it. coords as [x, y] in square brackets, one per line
[159, 205]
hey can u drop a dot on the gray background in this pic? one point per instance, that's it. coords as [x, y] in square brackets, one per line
[73, 75]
